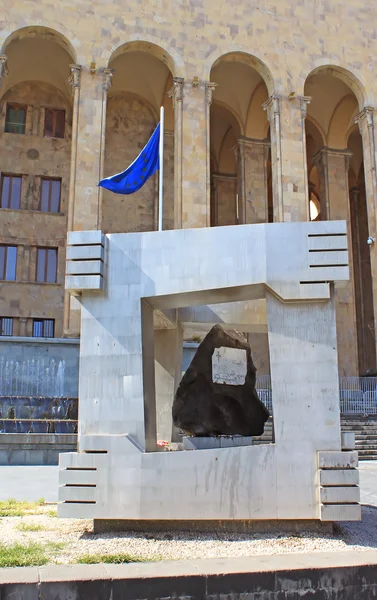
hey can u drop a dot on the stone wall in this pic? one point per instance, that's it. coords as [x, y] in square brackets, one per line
[316, 575]
[33, 156]
[282, 44]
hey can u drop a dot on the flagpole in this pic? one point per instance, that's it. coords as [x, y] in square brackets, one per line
[161, 169]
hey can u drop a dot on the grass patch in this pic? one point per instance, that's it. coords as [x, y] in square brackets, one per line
[25, 555]
[52, 512]
[116, 559]
[15, 508]
[29, 527]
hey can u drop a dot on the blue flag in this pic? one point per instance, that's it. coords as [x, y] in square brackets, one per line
[133, 178]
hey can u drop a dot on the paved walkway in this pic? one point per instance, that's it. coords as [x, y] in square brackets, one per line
[29, 483]
[33, 483]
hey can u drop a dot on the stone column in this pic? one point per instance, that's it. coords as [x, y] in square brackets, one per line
[332, 168]
[252, 180]
[74, 81]
[176, 93]
[107, 82]
[3, 68]
[22, 331]
[272, 106]
[168, 345]
[195, 205]
[288, 157]
[365, 121]
[224, 204]
[363, 282]
[88, 164]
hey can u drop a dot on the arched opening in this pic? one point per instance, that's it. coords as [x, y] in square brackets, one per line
[239, 140]
[337, 191]
[35, 146]
[140, 86]
[361, 256]
[314, 141]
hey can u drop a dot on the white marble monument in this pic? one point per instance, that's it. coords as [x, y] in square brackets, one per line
[138, 292]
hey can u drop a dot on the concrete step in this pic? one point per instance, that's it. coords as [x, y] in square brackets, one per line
[358, 427]
[365, 445]
[365, 455]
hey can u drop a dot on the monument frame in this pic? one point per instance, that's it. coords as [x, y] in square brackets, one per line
[129, 285]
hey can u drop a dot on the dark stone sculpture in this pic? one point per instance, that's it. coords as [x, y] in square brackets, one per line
[204, 408]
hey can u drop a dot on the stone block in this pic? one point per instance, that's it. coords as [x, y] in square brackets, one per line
[231, 441]
[85, 238]
[348, 440]
[328, 243]
[337, 460]
[200, 443]
[85, 252]
[84, 282]
[340, 512]
[87, 267]
[77, 493]
[340, 495]
[221, 441]
[340, 477]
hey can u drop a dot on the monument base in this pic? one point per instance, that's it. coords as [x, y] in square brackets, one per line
[212, 526]
[220, 441]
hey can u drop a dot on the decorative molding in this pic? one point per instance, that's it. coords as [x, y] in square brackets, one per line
[3, 67]
[272, 106]
[210, 88]
[243, 140]
[108, 75]
[75, 77]
[224, 176]
[176, 92]
[365, 116]
[304, 101]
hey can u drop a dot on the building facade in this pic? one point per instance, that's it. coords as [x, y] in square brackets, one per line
[269, 117]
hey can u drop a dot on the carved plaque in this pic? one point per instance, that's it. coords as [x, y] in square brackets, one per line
[229, 365]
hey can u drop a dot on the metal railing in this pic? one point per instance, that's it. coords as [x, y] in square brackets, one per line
[357, 395]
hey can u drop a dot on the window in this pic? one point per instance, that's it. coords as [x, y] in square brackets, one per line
[47, 260]
[6, 326]
[10, 191]
[15, 118]
[8, 263]
[50, 195]
[43, 327]
[54, 123]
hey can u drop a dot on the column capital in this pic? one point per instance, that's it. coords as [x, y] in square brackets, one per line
[325, 151]
[365, 116]
[210, 87]
[272, 106]
[74, 79]
[3, 67]
[243, 140]
[176, 92]
[108, 75]
[304, 101]
[224, 177]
